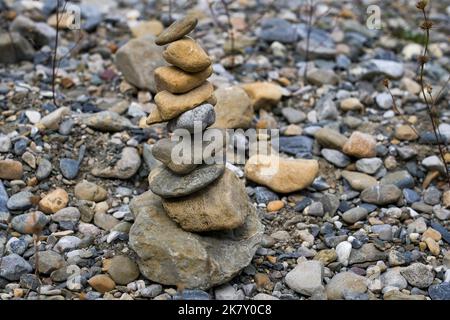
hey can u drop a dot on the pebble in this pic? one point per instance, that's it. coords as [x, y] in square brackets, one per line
[381, 194]
[89, 191]
[405, 133]
[175, 80]
[29, 223]
[67, 243]
[49, 261]
[384, 231]
[354, 215]
[285, 177]
[102, 283]
[138, 59]
[418, 275]
[393, 278]
[13, 266]
[275, 205]
[377, 67]
[11, 170]
[345, 283]
[384, 101]
[54, 201]
[264, 195]
[5, 143]
[315, 209]
[170, 106]
[306, 278]
[263, 94]
[203, 115]
[33, 116]
[276, 29]
[44, 169]
[369, 165]
[433, 163]
[432, 196]
[168, 185]
[440, 291]
[233, 109]
[336, 157]
[126, 167]
[293, 115]
[20, 201]
[299, 146]
[123, 270]
[360, 145]
[351, 104]
[187, 55]
[329, 138]
[401, 179]
[152, 291]
[176, 30]
[71, 214]
[343, 251]
[107, 121]
[359, 181]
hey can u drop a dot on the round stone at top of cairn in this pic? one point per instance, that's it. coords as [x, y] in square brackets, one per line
[197, 196]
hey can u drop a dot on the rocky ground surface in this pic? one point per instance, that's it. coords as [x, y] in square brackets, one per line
[366, 217]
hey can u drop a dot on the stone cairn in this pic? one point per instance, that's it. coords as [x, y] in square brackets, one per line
[196, 227]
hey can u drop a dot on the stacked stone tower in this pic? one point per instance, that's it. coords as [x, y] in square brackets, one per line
[196, 227]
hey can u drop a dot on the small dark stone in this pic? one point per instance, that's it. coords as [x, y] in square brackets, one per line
[301, 205]
[20, 146]
[264, 195]
[30, 281]
[410, 196]
[296, 145]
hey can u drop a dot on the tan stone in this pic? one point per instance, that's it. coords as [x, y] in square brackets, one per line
[406, 132]
[359, 181]
[275, 205]
[351, 104]
[171, 105]
[123, 270]
[54, 201]
[145, 28]
[431, 233]
[177, 30]
[66, 19]
[154, 116]
[102, 283]
[233, 109]
[10, 170]
[329, 138]
[410, 85]
[175, 80]
[222, 205]
[360, 145]
[293, 130]
[86, 190]
[281, 174]
[187, 54]
[433, 246]
[326, 256]
[446, 199]
[263, 94]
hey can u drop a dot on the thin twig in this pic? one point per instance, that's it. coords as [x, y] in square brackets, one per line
[426, 26]
[397, 110]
